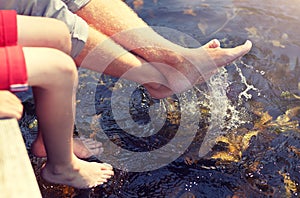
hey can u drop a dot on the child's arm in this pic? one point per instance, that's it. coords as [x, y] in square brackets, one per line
[10, 105]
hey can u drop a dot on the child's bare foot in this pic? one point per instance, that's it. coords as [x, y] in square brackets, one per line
[83, 147]
[78, 174]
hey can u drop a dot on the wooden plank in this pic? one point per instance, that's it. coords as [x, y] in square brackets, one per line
[17, 178]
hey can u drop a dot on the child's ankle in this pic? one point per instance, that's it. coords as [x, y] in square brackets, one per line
[60, 169]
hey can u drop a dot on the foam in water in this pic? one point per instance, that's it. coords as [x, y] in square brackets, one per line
[245, 93]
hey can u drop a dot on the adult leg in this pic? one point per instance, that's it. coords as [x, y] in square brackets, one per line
[54, 85]
[115, 19]
[101, 54]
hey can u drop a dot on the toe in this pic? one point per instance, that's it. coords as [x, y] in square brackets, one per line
[212, 44]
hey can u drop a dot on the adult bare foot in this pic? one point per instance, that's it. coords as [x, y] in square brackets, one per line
[193, 66]
[83, 147]
[78, 174]
[185, 67]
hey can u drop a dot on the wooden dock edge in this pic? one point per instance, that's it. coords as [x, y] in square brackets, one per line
[17, 178]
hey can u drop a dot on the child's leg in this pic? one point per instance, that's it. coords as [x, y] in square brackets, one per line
[82, 147]
[43, 32]
[54, 78]
[47, 32]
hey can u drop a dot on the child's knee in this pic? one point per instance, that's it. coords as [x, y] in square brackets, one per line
[63, 71]
[49, 68]
[66, 66]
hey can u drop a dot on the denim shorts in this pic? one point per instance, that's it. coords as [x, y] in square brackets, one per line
[55, 9]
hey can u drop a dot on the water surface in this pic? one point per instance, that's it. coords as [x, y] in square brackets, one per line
[257, 154]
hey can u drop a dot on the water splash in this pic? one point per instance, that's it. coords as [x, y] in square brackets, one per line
[218, 104]
[225, 116]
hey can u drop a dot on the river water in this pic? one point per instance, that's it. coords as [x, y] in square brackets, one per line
[244, 120]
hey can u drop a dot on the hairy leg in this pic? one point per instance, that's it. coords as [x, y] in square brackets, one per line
[101, 54]
[54, 85]
[181, 67]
